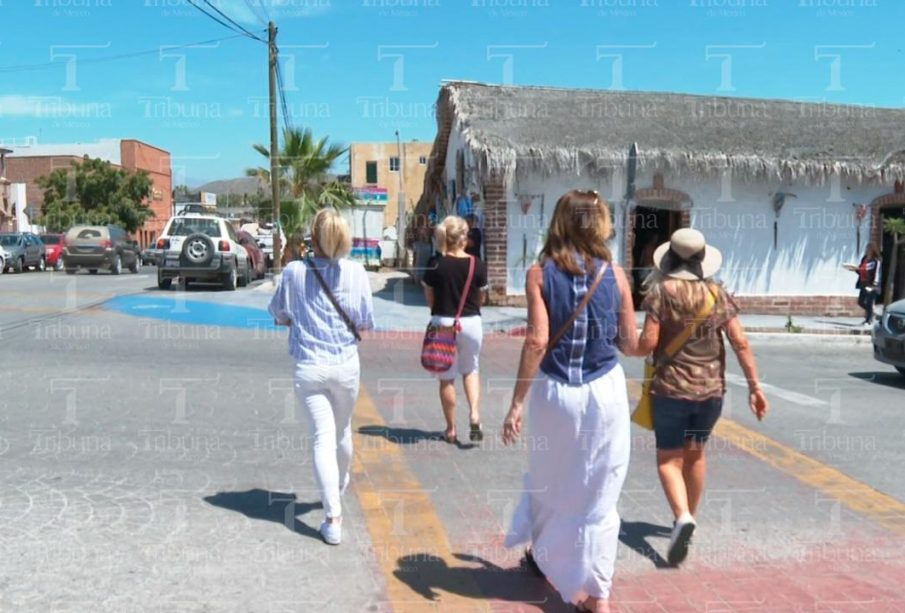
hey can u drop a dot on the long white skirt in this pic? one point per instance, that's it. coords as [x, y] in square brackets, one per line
[579, 444]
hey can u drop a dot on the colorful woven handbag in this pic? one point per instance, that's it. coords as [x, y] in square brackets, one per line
[438, 351]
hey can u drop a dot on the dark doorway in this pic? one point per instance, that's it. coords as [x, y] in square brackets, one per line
[651, 227]
[898, 290]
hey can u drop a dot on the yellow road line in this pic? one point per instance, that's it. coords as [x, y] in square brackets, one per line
[410, 545]
[857, 496]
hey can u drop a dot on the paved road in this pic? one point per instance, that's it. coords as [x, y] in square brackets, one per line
[153, 459]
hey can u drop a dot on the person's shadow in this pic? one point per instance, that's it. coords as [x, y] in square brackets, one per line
[279, 507]
[411, 436]
[634, 534]
[425, 574]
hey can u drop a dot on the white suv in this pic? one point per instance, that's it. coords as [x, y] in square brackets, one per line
[198, 247]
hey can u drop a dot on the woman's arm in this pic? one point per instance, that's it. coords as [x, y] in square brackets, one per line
[428, 295]
[627, 340]
[650, 336]
[756, 399]
[279, 304]
[535, 346]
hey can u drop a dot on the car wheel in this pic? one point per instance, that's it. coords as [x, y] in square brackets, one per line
[93, 271]
[59, 265]
[2, 266]
[198, 250]
[135, 268]
[163, 283]
[19, 266]
[245, 278]
[230, 280]
[42, 264]
[901, 369]
[117, 265]
[70, 271]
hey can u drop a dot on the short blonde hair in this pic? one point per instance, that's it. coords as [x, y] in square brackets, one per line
[330, 234]
[452, 232]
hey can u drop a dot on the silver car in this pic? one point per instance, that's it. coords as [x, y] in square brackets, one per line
[20, 251]
[889, 336]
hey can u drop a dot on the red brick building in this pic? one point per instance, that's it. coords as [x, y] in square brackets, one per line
[26, 163]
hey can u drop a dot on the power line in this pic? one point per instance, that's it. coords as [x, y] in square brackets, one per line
[240, 30]
[287, 117]
[232, 21]
[111, 58]
[259, 11]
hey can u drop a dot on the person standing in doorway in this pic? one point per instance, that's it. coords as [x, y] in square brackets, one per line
[684, 302]
[325, 301]
[868, 284]
[457, 278]
[579, 312]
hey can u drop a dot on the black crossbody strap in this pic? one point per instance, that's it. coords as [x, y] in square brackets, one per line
[342, 313]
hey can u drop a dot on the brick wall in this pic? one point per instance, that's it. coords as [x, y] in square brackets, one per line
[137, 155]
[829, 306]
[495, 232]
[28, 169]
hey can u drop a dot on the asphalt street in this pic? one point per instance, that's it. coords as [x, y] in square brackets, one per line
[153, 459]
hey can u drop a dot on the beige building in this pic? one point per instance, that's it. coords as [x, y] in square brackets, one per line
[380, 169]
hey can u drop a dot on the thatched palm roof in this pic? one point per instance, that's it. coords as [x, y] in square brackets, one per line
[517, 129]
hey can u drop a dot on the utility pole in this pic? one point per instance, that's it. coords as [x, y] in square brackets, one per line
[400, 213]
[274, 162]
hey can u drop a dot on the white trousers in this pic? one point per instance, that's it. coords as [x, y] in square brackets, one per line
[328, 394]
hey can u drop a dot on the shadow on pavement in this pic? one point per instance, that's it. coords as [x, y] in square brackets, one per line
[634, 534]
[889, 379]
[410, 436]
[278, 507]
[403, 290]
[482, 580]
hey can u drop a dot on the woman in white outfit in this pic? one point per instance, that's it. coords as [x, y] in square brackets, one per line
[579, 311]
[453, 290]
[323, 341]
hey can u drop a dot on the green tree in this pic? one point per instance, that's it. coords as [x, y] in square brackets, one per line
[896, 227]
[95, 192]
[303, 164]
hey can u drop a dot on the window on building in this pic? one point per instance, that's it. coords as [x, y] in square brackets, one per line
[394, 164]
[371, 172]
[422, 160]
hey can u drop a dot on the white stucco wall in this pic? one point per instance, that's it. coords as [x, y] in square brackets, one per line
[817, 230]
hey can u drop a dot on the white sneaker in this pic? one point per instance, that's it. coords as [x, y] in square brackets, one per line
[332, 532]
[680, 538]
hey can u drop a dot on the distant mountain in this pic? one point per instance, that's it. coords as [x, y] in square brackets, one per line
[234, 187]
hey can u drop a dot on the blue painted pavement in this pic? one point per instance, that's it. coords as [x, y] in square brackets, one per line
[195, 312]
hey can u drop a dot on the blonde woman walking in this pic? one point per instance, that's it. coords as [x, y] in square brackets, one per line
[453, 287]
[683, 301]
[326, 300]
[579, 312]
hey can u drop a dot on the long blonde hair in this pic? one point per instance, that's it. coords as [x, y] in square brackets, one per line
[681, 297]
[451, 233]
[331, 235]
[581, 223]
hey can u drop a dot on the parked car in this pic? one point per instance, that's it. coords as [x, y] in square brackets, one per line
[258, 259]
[53, 250]
[265, 242]
[21, 251]
[888, 336]
[150, 254]
[197, 247]
[97, 247]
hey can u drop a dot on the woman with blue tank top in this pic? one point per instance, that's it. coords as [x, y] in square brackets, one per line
[580, 313]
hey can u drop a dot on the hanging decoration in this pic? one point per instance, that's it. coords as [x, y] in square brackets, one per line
[532, 242]
[860, 214]
[779, 201]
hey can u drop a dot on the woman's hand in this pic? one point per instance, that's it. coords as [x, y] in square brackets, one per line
[758, 403]
[512, 425]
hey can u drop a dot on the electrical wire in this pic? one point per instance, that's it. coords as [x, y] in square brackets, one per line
[111, 58]
[239, 30]
[259, 11]
[281, 90]
[232, 21]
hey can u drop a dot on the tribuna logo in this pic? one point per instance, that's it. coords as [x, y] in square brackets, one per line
[728, 4]
[837, 4]
[73, 4]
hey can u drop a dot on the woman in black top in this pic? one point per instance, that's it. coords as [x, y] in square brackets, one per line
[444, 285]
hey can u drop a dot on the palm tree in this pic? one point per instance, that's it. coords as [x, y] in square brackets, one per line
[304, 189]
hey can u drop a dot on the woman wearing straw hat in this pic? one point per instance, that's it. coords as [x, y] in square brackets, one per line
[687, 314]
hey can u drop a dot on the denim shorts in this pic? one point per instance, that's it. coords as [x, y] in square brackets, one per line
[677, 420]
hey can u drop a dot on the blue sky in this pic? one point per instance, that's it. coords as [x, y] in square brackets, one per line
[359, 70]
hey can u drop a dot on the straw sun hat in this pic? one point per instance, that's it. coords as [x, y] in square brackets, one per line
[687, 256]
